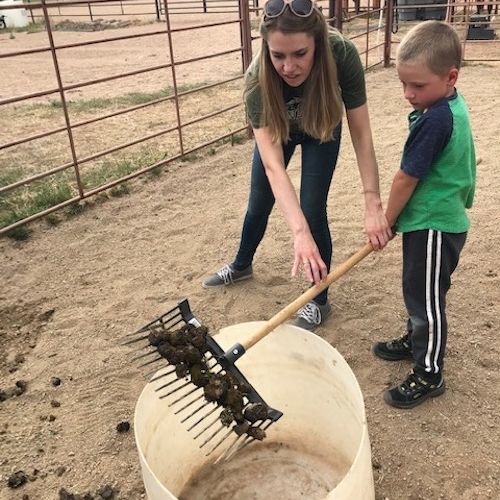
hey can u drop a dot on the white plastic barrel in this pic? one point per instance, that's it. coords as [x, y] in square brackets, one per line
[14, 18]
[323, 424]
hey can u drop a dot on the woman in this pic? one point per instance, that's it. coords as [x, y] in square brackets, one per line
[296, 88]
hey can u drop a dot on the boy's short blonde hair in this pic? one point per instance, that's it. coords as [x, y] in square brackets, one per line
[433, 42]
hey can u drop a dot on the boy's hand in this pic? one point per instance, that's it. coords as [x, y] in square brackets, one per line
[393, 231]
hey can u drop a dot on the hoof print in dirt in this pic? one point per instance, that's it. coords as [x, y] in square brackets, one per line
[66, 495]
[17, 479]
[60, 470]
[47, 315]
[123, 426]
[55, 381]
[18, 389]
[104, 493]
[19, 359]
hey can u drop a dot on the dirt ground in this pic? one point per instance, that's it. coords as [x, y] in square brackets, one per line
[70, 293]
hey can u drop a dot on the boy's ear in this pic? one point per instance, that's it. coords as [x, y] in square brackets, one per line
[452, 77]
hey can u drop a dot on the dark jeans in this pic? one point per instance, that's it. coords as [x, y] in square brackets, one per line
[318, 164]
[429, 259]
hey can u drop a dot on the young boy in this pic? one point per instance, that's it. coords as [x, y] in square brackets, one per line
[427, 203]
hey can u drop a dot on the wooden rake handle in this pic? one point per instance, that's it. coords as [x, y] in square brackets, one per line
[306, 297]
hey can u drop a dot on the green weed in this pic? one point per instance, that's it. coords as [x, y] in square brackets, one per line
[19, 233]
[52, 219]
[76, 208]
[155, 172]
[11, 176]
[119, 190]
[129, 99]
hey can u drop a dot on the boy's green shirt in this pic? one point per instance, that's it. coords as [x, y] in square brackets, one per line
[442, 196]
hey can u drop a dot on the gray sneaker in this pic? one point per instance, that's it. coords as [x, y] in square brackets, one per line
[227, 276]
[312, 315]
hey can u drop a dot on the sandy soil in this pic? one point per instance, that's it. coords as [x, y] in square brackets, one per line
[70, 293]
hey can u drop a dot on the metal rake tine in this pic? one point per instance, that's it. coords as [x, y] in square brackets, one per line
[245, 442]
[159, 318]
[173, 381]
[147, 363]
[143, 355]
[166, 321]
[158, 377]
[148, 376]
[201, 420]
[220, 442]
[128, 341]
[207, 358]
[182, 397]
[248, 440]
[189, 404]
[227, 453]
[173, 390]
[212, 358]
[206, 427]
[195, 411]
[211, 367]
[213, 435]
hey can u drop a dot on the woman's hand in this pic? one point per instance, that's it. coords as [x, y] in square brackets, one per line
[305, 248]
[377, 227]
[307, 255]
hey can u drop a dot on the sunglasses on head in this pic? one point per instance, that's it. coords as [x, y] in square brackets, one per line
[301, 8]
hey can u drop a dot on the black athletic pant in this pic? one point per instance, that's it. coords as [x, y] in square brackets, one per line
[429, 259]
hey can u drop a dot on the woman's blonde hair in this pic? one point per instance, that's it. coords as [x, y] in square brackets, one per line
[321, 102]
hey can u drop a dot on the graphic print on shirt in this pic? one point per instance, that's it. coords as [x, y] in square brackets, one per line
[294, 110]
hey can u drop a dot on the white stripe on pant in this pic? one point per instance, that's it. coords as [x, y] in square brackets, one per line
[429, 259]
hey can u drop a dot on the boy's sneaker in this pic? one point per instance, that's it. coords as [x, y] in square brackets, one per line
[393, 350]
[312, 315]
[227, 276]
[413, 391]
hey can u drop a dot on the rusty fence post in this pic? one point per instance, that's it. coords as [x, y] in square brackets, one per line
[174, 76]
[246, 42]
[63, 99]
[389, 19]
[245, 33]
[331, 11]
[338, 14]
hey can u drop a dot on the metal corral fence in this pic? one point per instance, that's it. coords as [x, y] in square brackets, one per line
[83, 113]
[98, 9]
[477, 23]
[182, 111]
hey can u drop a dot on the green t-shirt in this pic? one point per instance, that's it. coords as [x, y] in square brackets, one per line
[440, 153]
[351, 81]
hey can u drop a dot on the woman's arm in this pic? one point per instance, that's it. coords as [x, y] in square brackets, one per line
[305, 248]
[376, 225]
